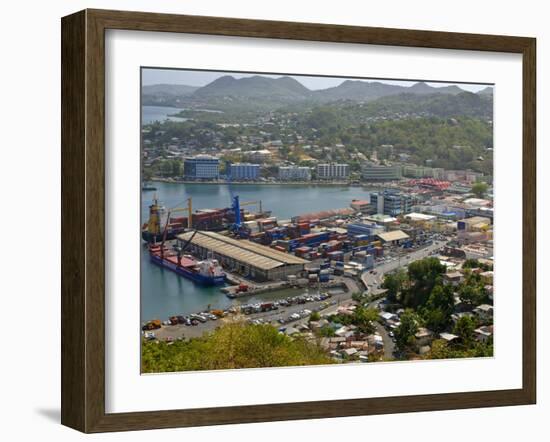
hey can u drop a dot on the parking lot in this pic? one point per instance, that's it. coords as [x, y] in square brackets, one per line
[279, 313]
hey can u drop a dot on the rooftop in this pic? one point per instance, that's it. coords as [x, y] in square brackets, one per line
[394, 235]
[249, 252]
[419, 217]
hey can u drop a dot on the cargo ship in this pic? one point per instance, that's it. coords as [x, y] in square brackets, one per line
[162, 219]
[206, 272]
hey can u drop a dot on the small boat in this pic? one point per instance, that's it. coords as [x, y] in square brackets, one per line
[148, 187]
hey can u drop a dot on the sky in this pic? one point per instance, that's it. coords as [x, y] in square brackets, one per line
[202, 78]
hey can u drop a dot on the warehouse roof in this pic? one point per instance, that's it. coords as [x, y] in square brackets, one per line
[394, 235]
[245, 251]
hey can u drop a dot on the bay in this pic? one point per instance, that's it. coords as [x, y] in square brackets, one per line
[149, 114]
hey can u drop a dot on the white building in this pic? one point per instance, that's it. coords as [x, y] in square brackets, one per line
[375, 172]
[294, 173]
[332, 171]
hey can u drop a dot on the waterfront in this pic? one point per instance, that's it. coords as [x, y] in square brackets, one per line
[159, 113]
[163, 293]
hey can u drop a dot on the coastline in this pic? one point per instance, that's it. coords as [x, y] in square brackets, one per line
[281, 183]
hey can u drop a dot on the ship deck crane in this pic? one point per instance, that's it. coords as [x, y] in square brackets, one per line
[253, 203]
[188, 209]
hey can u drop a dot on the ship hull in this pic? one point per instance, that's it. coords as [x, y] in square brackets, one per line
[187, 273]
[152, 238]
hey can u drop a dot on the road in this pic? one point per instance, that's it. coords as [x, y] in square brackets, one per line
[389, 344]
[375, 279]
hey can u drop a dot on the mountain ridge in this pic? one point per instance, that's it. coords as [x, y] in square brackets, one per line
[265, 91]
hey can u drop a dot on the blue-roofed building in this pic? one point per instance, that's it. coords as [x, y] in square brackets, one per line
[367, 229]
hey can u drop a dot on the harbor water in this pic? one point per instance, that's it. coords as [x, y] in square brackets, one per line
[150, 114]
[163, 293]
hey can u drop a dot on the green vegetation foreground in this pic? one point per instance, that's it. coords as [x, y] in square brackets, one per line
[233, 345]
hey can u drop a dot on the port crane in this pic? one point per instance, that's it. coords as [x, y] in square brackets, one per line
[236, 205]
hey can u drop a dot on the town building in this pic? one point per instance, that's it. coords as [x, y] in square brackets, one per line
[466, 176]
[474, 224]
[364, 229]
[244, 171]
[374, 172]
[484, 312]
[484, 333]
[391, 202]
[258, 156]
[332, 171]
[360, 205]
[201, 167]
[294, 173]
[379, 218]
[413, 171]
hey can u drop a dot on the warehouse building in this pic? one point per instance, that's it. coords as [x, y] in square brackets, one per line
[393, 237]
[246, 258]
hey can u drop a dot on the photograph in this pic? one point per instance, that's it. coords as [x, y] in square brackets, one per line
[303, 220]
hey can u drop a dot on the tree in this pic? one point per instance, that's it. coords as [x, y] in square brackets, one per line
[146, 174]
[439, 350]
[423, 276]
[475, 264]
[472, 290]
[233, 345]
[479, 189]
[315, 316]
[464, 329]
[439, 308]
[359, 297]
[176, 168]
[327, 332]
[365, 319]
[404, 333]
[435, 319]
[394, 283]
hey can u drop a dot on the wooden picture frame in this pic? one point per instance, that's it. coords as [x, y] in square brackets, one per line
[83, 220]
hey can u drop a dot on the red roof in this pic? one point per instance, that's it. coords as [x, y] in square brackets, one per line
[430, 183]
